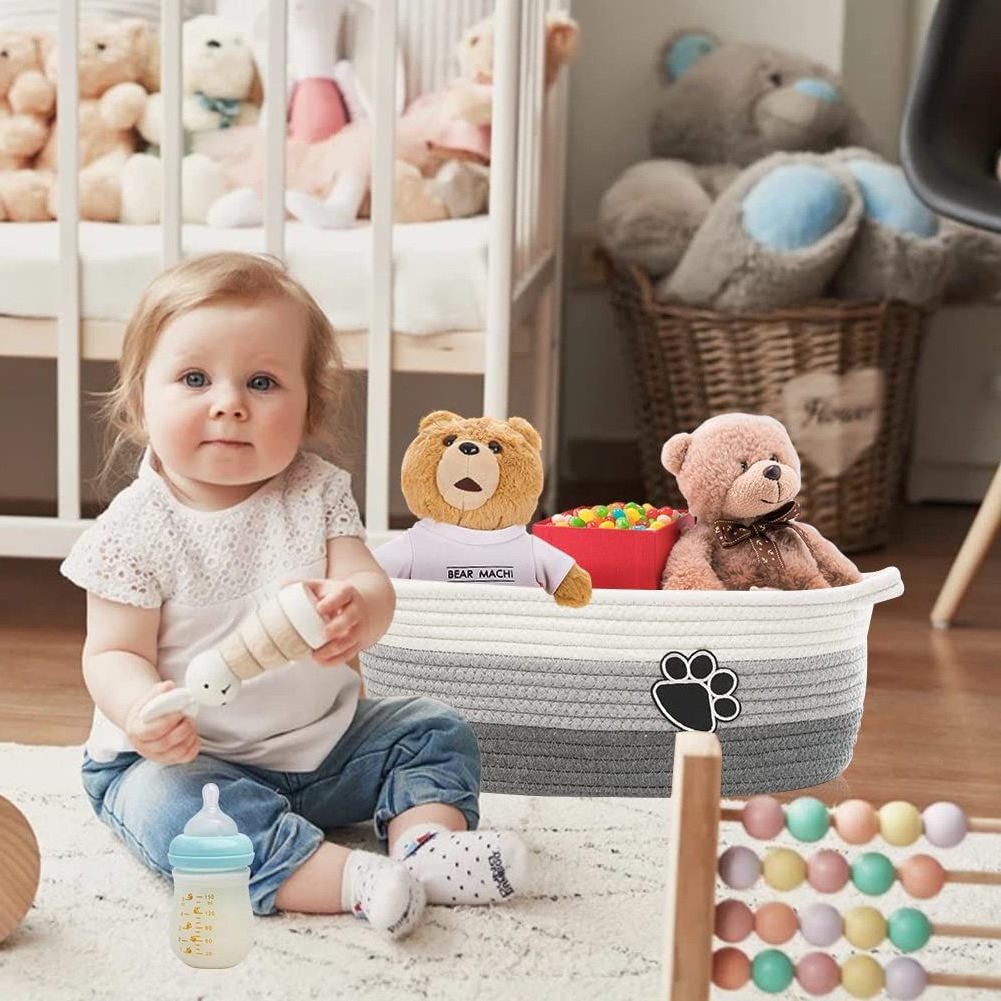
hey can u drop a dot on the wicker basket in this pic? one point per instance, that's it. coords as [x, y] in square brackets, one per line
[689, 364]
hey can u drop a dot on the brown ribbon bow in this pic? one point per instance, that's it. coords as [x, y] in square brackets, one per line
[733, 533]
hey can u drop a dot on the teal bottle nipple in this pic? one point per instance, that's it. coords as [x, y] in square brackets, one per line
[211, 840]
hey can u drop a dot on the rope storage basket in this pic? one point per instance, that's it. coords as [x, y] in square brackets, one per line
[563, 700]
[839, 375]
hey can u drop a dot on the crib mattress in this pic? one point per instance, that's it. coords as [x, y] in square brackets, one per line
[563, 700]
[440, 275]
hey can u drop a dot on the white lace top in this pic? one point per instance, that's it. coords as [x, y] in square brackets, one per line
[206, 570]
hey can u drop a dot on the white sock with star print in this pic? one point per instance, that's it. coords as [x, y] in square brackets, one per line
[383, 892]
[464, 867]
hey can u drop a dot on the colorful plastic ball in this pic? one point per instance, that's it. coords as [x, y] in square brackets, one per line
[945, 824]
[576, 522]
[772, 971]
[731, 969]
[734, 920]
[862, 976]
[763, 817]
[873, 873]
[817, 973]
[922, 876]
[855, 821]
[899, 823]
[783, 869]
[909, 929]
[739, 867]
[775, 923]
[865, 927]
[821, 925]
[827, 871]
[607, 524]
[905, 979]
[601, 511]
[807, 819]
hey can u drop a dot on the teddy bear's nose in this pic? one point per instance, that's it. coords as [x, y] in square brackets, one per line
[772, 472]
[468, 448]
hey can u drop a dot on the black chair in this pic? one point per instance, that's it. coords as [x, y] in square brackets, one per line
[949, 144]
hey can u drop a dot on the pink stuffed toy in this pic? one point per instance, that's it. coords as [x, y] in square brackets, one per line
[316, 108]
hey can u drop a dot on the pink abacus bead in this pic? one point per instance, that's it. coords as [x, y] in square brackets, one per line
[763, 817]
[817, 973]
[775, 923]
[827, 871]
[945, 824]
[856, 821]
[734, 920]
[731, 969]
[921, 876]
[821, 925]
[739, 867]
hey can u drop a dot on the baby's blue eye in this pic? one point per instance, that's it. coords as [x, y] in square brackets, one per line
[194, 380]
[262, 382]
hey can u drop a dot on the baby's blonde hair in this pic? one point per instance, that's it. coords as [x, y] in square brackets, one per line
[199, 281]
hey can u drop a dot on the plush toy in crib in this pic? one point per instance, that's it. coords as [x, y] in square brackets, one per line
[280, 631]
[767, 191]
[475, 484]
[27, 105]
[221, 89]
[740, 475]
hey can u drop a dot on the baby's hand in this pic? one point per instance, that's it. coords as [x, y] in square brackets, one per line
[346, 615]
[167, 740]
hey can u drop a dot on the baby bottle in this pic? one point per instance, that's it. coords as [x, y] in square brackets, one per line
[211, 923]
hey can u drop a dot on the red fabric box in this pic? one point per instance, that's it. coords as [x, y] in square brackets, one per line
[615, 558]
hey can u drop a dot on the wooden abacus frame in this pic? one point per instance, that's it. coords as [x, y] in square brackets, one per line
[696, 814]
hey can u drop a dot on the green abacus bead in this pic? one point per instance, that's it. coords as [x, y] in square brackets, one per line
[807, 819]
[772, 971]
[873, 873]
[909, 929]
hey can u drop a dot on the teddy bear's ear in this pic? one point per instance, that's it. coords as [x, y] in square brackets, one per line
[672, 455]
[437, 417]
[683, 50]
[562, 36]
[526, 431]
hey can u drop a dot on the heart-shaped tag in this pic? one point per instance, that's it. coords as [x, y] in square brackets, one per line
[833, 419]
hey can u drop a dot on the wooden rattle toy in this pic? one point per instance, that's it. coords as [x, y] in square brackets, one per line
[283, 630]
[694, 917]
[19, 867]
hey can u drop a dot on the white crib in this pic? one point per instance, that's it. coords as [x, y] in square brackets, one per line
[521, 239]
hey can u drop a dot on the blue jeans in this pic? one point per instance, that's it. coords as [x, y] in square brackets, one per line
[397, 753]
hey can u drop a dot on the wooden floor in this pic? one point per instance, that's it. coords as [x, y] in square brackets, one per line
[932, 723]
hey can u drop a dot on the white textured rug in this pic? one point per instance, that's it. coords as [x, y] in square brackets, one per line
[592, 928]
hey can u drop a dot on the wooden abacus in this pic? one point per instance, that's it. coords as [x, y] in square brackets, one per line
[694, 918]
[19, 867]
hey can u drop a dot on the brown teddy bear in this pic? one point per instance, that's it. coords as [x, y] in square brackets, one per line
[475, 484]
[740, 475]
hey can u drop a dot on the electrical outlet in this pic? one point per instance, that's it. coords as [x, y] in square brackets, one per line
[588, 267]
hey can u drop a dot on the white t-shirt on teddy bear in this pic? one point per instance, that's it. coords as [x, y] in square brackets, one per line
[435, 551]
[206, 570]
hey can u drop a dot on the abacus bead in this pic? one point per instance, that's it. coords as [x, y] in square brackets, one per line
[862, 976]
[905, 979]
[945, 824]
[739, 867]
[855, 821]
[817, 973]
[922, 876]
[772, 971]
[872, 873]
[731, 969]
[821, 925]
[784, 869]
[775, 923]
[909, 929]
[899, 823]
[807, 819]
[865, 927]
[734, 920]
[827, 871]
[763, 817]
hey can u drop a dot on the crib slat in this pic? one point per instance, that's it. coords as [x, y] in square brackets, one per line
[68, 358]
[377, 438]
[503, 179]
[170, 141]
[274, 189]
